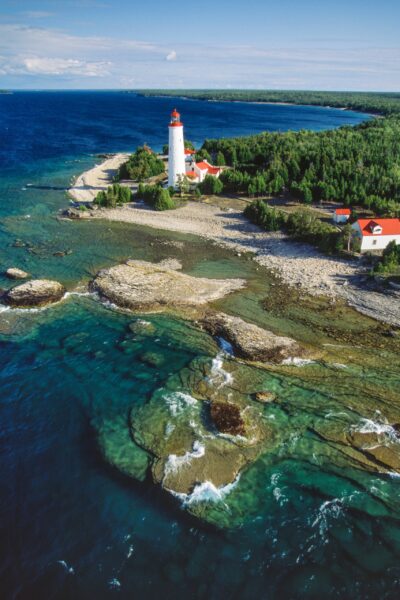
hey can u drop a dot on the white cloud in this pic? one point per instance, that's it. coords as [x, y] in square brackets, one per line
[47, 56]
[171, 55]
[62, 66]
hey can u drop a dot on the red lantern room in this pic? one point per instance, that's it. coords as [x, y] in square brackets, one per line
[175, 119]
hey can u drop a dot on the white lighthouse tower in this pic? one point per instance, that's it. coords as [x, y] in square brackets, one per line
[176, 149]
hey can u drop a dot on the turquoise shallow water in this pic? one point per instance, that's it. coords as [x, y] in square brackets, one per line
[303, 521]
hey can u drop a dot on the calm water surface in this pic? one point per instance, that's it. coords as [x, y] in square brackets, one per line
[303, 522]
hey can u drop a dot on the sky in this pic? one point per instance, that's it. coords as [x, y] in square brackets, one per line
[258, 44]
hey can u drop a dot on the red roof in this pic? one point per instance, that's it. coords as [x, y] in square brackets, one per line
[343, 211]
[175, 113]
[189, 151]
[389, 226]
[204, 165]
[213, 170]
[192, 174]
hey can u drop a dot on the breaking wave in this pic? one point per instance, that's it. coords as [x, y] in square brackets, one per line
[207, 492]
[175, 462]
[178, 401]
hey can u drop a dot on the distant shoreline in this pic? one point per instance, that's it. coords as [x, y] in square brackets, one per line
[264, 102]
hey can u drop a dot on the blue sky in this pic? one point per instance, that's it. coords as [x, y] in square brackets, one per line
[286, 44]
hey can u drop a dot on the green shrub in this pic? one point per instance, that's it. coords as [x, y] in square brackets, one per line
[141, 165]
[155, 196]
[211, 185]
[115, 194]
[390, 260]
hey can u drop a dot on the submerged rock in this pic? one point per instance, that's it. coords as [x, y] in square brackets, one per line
[141, 285]
[37, 292]
[265, 397]
[14, 273]
[250, 341]
[142, 327]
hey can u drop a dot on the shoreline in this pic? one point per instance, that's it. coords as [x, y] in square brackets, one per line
[271, 103]
[87, 185]
[299, 265]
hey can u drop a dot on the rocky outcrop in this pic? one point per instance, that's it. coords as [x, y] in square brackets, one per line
[140, 285]
[250, 341]
[14, 273]
[34, 293]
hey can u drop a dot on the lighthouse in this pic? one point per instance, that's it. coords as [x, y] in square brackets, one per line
[176, 150]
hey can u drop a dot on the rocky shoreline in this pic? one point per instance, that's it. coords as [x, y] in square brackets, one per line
[298, 265]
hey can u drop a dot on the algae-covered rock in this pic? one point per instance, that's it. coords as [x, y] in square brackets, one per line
[227, 418]
[153, 359]
[142, 327]
[250, 341]
[140, 285]
[118, 447]
[369, 445]
[37, 292]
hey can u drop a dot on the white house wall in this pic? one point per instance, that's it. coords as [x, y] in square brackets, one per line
[378, 242]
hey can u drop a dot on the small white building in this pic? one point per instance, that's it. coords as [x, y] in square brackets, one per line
[376, 234]
[203, 168]
[341, 215]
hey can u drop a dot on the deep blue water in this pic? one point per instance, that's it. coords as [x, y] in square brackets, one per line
[48, 125]
[72, 526]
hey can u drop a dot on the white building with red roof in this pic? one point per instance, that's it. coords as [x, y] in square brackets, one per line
[341, 215]
[203, 168]
[376, 234]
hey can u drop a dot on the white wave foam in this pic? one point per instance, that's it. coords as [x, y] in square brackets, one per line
[218, 376]
[178, 401]
[381, 428]
[66, 567]
[207, 492]
[114, 584]
[297, 361]
[328, 511]
[83, 294]
[175, 462]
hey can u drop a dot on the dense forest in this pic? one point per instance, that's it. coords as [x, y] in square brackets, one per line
[376, 103]
[359, 166]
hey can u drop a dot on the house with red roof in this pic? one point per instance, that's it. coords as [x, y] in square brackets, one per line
[203, 168]
[341, 215]
[376, 234]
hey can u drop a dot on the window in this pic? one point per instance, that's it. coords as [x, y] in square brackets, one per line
[374, 242]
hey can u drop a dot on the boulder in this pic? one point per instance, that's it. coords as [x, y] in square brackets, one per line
[250, 341]
[72, 213]
[37, 292]
[144, 286]
[14, 273]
